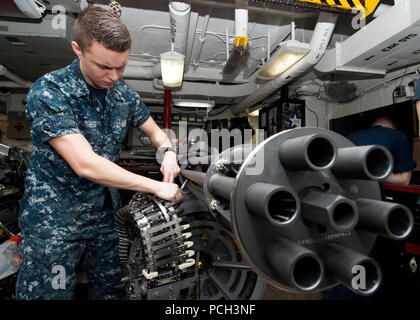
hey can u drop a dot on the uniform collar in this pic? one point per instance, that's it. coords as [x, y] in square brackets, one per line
[81, 88]
[81, 85]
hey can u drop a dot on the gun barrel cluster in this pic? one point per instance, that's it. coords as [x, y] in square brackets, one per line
[309, 217]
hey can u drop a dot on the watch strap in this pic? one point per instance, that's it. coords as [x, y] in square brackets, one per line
[165, 149]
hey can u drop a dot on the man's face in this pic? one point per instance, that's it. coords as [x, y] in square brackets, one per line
[101, 67]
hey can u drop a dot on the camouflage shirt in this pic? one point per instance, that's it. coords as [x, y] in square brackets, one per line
[57, 202]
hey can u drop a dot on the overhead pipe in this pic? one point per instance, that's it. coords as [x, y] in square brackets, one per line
[241, 18]
[201, 40]
[133, 71]
[190, 39]
[319, 42]
[195, 88]
[30, 8]
[19, 81]
[158, 85]
[179, 15]
[238, 56]
[10, 84]
[254, 9]
[227, 43]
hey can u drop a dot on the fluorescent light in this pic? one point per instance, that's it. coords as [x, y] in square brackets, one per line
[290, 52]
[193, 103]
[255, 113]
[172, 65]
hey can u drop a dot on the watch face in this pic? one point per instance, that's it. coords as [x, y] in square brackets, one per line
[145, 140]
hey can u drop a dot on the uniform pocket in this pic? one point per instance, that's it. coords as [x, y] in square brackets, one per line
[118, 123]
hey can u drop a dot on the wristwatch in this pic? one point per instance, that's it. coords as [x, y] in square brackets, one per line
[165, 149]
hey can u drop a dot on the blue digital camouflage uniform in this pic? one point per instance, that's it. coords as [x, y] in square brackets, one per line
[63, 217]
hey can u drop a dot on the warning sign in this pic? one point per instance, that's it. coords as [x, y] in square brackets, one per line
[365, 6]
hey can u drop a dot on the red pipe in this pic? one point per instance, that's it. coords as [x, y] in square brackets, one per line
[167, 110]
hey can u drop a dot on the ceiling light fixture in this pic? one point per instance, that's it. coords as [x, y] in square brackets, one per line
[254, 113]
[172, 65]
[193, 103]
[289, 54]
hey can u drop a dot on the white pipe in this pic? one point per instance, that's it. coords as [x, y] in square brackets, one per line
[241, 31]
[196, 89]
[241, 22]
[241, 18]
[293, 31]
[190, 40]
[29, 8]
[320, 39]
[227, 43]
[201, 40]
[157, 85]
[133, 71]
[179, 13]
[262, 10]
[5, 72]
[381, 9]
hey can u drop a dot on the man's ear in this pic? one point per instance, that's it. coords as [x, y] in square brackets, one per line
[76, 49]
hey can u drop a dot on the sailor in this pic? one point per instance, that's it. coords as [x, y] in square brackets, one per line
[384, 132]
[79, 117]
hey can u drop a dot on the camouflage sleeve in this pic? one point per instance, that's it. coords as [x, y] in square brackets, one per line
[50, 114]
[140, 112]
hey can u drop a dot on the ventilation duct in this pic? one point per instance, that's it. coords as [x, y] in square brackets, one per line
[16, 81]
[30, 8]
[341, 90]
[390, 41]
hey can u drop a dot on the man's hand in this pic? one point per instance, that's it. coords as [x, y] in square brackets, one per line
[169, 191]
[169, 167]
